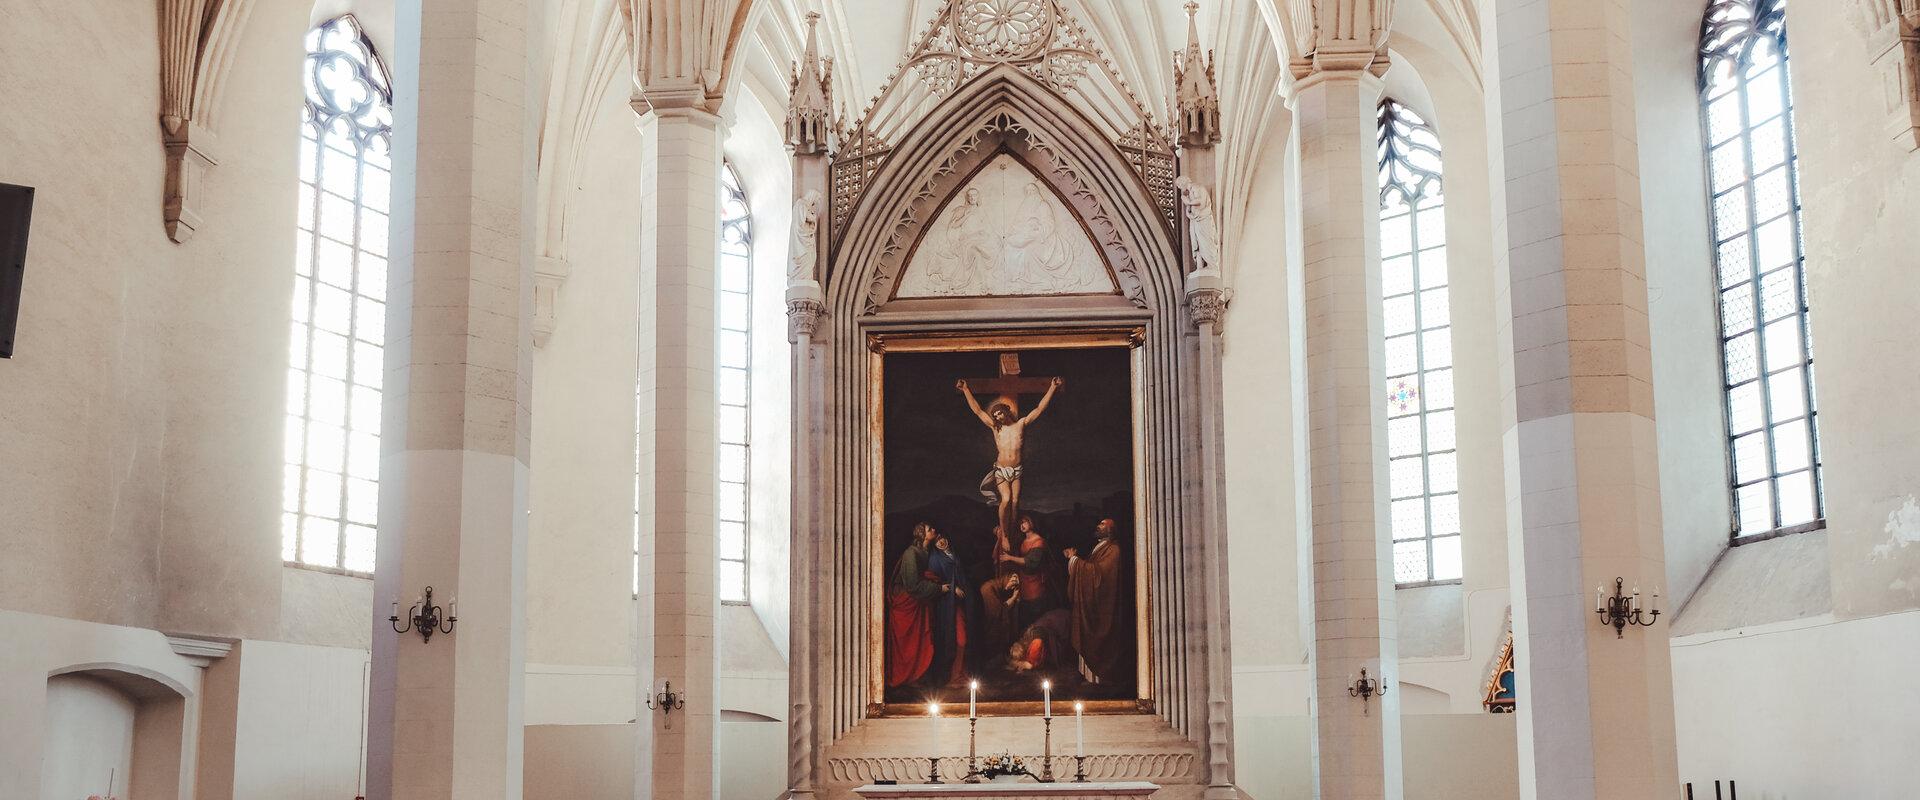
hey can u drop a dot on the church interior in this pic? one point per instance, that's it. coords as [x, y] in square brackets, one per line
[833, 399]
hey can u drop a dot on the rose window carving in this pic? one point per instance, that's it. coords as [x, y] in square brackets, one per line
[1003, 30]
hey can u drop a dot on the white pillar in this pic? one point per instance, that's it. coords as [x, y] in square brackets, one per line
[677, 409]
[1356, 744]
[446, 717]
[1596, 711]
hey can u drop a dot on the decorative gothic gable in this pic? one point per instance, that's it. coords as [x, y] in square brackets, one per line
[1005, 234]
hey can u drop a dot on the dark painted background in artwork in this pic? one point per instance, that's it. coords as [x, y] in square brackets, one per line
[1078, 461]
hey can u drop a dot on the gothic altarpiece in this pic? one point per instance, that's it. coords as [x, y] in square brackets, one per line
[1007, 195]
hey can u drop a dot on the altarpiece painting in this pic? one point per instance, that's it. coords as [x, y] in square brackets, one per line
[1007, 519]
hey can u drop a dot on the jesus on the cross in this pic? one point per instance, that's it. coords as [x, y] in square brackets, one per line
[1002, 481]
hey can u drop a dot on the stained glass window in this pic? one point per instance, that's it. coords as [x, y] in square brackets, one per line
[735, 350]
[1766, 343]
[330, 499]
[1423, 467]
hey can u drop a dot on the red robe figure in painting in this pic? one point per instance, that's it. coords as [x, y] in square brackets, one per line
[910, 602]
[1093, 585]
[1033, 564]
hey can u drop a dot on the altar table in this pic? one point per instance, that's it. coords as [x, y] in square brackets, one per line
[1008, 791]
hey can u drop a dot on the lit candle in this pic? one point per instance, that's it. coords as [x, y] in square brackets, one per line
[1079, 729]
[933, 710]
[973, 699]
[1046, 698]
[1600, 599]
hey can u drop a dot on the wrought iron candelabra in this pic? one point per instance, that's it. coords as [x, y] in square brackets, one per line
[1624, 609]
[424, 616]
[1366, 688]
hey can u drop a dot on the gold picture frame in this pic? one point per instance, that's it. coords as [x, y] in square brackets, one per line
[879, 345]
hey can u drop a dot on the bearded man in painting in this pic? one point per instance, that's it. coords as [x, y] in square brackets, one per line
[1093, 586]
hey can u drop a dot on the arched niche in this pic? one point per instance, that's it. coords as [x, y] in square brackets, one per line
[1004, 116]
[118, 722]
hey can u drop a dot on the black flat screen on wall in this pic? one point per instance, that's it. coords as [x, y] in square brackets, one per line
[16, 208]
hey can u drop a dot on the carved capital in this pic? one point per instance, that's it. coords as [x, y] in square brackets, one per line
[1207, 298]
[804, 317]
[1340, 35]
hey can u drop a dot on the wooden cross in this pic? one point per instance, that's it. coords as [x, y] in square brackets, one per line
[1009, 384]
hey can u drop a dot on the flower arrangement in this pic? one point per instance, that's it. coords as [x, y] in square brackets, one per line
[1005, 764]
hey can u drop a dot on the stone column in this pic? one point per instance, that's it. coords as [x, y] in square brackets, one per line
[446, 713]
[1357, 744]
[679, 581]
[1596, 711]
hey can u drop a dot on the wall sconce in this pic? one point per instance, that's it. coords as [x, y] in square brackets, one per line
[1365, 688]
[666, 700]
[424, 616]
[1622, 609]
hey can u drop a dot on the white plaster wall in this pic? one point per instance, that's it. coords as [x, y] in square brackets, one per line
[1266, 510]
[1695, 503]
[1446, 757]
[1859, 191]
[755, 147]
[82, 400]
[89, 739]
[1813, 708]
[581, 514]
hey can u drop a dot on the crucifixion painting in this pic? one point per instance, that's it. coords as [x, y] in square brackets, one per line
[1035, 582]
[1002, 481]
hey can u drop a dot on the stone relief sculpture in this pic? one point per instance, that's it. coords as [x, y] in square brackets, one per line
[1202, 231]
[804, 254]
[1006, 234]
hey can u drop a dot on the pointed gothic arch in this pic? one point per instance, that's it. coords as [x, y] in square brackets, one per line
[1007, 111]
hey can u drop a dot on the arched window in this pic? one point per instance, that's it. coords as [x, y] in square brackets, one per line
[331, 495]
[1419, 351]
[1765, 344]
[735, 350]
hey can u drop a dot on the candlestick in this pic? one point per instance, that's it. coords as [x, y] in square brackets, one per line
[1046, 699]
[1079, 728]
[933, 711]
[973, 699]
[1046, 760]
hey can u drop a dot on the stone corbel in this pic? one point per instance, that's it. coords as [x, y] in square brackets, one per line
[549, 273]
[806, 309]
[190, 153]
[1892, 31]
[1207, 298]
[196, 48]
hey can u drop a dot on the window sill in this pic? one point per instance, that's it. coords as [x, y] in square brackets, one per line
[328, 570]
[1425, 584]
[1804, 527]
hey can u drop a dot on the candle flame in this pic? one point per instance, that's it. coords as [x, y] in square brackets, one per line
[933, 709]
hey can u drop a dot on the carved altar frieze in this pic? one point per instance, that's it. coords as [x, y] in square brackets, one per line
[1006, 233]
[1001, 132]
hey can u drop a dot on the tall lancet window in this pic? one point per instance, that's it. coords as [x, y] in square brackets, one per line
[331, 494]
[1422, 465]
[1766, 344]
[735, 352]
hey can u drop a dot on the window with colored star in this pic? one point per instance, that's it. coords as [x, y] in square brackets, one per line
[1766, 341]
[1423, 466]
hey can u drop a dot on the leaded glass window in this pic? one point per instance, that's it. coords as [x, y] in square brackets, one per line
[735, 350]
[331, 493]
[1766, 344]
[1423, 467]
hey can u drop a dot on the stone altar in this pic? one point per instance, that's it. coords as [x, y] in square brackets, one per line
[1008, 791]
